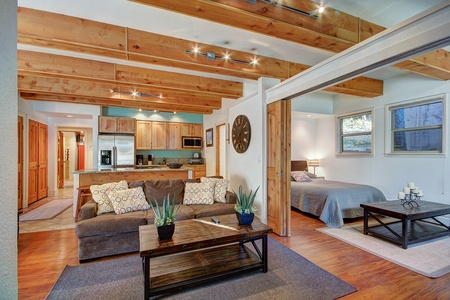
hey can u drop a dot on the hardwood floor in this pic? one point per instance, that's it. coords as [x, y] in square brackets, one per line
[43, 256]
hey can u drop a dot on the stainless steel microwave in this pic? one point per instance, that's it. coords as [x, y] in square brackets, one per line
[191, 142]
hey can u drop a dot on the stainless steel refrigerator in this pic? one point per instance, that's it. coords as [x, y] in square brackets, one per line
[115, 151]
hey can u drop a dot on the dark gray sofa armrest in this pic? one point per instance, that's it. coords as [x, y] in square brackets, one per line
[230, 197]
[88, 210]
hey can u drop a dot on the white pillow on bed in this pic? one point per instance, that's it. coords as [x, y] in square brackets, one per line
[300, 176]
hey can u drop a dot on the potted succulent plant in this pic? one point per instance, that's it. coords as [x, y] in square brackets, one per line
[245, 211]
[165, 217]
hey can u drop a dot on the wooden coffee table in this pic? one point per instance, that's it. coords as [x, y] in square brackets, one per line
[414, 225]
[200, 251]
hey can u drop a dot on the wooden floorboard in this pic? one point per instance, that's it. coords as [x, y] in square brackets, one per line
[43, 256]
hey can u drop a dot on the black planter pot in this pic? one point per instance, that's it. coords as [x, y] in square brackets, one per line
[245, 219]
[165, 232]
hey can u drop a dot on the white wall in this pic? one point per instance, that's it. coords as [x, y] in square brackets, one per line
[303, 137]
[388, 173]
[8, 149]
[249, 168]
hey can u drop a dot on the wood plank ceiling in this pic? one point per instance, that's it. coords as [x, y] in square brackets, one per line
[51, 77]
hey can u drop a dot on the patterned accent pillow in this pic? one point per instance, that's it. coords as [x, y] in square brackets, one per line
[300, 176]
[99, 195]
[220, 188]
[198, 193]
[126, 201]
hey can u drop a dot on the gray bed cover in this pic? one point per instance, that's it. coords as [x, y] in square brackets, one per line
[332, 201]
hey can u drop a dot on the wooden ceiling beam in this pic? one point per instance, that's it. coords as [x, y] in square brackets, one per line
[361, 86]
[70, 67]
[114, 102]
[81, 88]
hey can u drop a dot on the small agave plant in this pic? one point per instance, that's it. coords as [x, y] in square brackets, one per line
[244, 201]
[165, 214]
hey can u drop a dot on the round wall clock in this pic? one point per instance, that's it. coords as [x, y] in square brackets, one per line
[241, 133]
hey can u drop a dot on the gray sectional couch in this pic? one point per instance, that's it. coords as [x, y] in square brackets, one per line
[111, 234]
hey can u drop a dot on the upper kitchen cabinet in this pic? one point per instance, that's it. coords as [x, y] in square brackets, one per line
[159, 135]
[191, 129]
[143, 135]
[116, 125]
[174, 136]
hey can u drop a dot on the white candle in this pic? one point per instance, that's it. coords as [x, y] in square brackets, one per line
[420, 193]
[406, 190]
[401, 195]
[411, 185]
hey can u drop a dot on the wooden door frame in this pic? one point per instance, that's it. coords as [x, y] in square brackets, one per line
[278, 167]
[60, 160]
[20, 184]
[217, 145]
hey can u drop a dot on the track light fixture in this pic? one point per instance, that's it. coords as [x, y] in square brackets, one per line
[312, 14]
[135, 94]
[210, 55]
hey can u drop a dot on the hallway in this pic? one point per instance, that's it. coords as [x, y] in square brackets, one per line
[64, 220]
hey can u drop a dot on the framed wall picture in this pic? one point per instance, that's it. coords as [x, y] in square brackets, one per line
[209, 137]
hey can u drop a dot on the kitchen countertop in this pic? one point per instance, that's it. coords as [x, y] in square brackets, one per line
[150, 168]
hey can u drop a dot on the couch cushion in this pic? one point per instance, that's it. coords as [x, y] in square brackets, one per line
[199, 193]
[220, 188]
[184, 213]
[206, 210]
[99, 194]
[111, 223]
[129, 200]
[158, 189]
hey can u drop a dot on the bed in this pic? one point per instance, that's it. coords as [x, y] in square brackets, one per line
[331, 201]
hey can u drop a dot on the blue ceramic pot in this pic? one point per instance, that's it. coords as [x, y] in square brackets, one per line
[245, 219]
[165, 232]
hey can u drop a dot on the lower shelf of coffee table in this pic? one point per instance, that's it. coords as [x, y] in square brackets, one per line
[200, 266]
[418, 232]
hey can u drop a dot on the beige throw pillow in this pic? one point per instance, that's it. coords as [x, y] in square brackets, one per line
[198, 193]
[129, 200]
[99, 194]
[220, 188]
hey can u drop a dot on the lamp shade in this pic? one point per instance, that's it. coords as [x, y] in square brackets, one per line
[314, 163]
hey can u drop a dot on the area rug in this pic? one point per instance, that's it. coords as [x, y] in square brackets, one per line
[290, 276]
[431, 258]
[46, 211]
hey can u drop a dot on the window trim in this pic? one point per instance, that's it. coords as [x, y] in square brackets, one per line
[339, 135]
[389, 136]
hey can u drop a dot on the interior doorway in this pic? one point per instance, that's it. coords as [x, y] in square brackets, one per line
[74, 153]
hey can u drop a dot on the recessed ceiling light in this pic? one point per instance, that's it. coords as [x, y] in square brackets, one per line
[69, 116]
[321, 9]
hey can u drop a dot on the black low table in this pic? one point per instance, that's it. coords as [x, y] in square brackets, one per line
[415, 223]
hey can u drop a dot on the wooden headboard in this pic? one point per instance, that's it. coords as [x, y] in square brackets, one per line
[299, 165]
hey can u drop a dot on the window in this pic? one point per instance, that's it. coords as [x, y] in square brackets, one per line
[355, 133]
[417, 127]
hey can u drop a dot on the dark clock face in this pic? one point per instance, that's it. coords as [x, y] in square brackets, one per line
[240, 134]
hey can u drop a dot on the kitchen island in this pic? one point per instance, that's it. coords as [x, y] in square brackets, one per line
[86, 178]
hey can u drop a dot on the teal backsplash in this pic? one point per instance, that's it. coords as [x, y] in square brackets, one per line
[152, 116]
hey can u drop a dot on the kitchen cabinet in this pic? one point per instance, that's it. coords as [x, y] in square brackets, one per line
[116, 125]
[143, 135]
[199, 170]
[159, 135]
[188, 129]
[174, 136]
